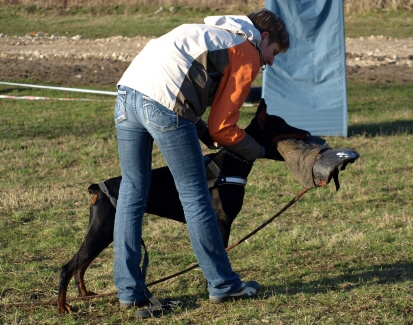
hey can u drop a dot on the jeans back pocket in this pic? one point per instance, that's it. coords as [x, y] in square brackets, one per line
[120, 107]
[158, 116]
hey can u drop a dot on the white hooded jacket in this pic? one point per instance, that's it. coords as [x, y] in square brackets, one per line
[200, 65]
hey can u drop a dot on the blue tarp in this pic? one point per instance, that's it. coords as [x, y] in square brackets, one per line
[307, 84]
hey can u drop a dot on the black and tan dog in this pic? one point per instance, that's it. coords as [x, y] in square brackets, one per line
[226, 173]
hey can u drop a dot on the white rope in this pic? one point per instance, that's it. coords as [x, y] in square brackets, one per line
[101, 92]
[48, 98]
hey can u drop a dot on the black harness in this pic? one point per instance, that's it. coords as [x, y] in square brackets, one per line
[220, 178]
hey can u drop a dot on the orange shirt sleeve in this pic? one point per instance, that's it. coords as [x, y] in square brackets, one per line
[235, 85]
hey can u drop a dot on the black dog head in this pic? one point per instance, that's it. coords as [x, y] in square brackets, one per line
[268, 129]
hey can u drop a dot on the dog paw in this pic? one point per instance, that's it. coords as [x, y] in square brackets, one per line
[65, 309]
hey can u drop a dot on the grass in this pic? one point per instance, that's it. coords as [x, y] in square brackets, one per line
[333, 258]
[92, 24]
[394, 118]
[391, 23]
[103, 22]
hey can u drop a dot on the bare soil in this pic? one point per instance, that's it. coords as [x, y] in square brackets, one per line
[80, 62]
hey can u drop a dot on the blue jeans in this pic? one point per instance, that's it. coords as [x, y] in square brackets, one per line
[140, 120]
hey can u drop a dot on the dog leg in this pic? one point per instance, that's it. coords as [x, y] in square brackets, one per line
[77, 267]
[66, 274]
[80, 281]
[98, 236]
[227, 202]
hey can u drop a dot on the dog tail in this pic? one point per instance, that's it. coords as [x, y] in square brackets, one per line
[94, 189]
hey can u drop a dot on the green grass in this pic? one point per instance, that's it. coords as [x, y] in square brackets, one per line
[131, 21]
[333, 258]
[387, 22]
[395, 117]
[94, 23]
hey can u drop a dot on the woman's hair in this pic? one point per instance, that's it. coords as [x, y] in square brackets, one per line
[267, 21]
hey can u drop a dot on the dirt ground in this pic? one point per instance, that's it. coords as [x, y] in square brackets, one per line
[62, 61]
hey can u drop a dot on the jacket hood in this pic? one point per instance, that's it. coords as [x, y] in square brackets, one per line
[241, 25]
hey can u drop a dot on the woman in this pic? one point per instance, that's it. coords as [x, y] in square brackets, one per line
[161, 96]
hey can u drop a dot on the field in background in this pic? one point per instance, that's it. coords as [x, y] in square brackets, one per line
[333, 258]
[102, 22]
[351, 6]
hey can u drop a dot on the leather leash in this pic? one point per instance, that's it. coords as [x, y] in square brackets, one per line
[252, 233]
[55, 302]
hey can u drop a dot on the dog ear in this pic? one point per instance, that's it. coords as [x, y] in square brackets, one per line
[261, 113]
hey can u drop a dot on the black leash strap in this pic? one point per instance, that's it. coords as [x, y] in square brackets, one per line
[157, 308]
[220, 178]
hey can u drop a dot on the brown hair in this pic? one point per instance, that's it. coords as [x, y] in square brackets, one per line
[267, 21]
